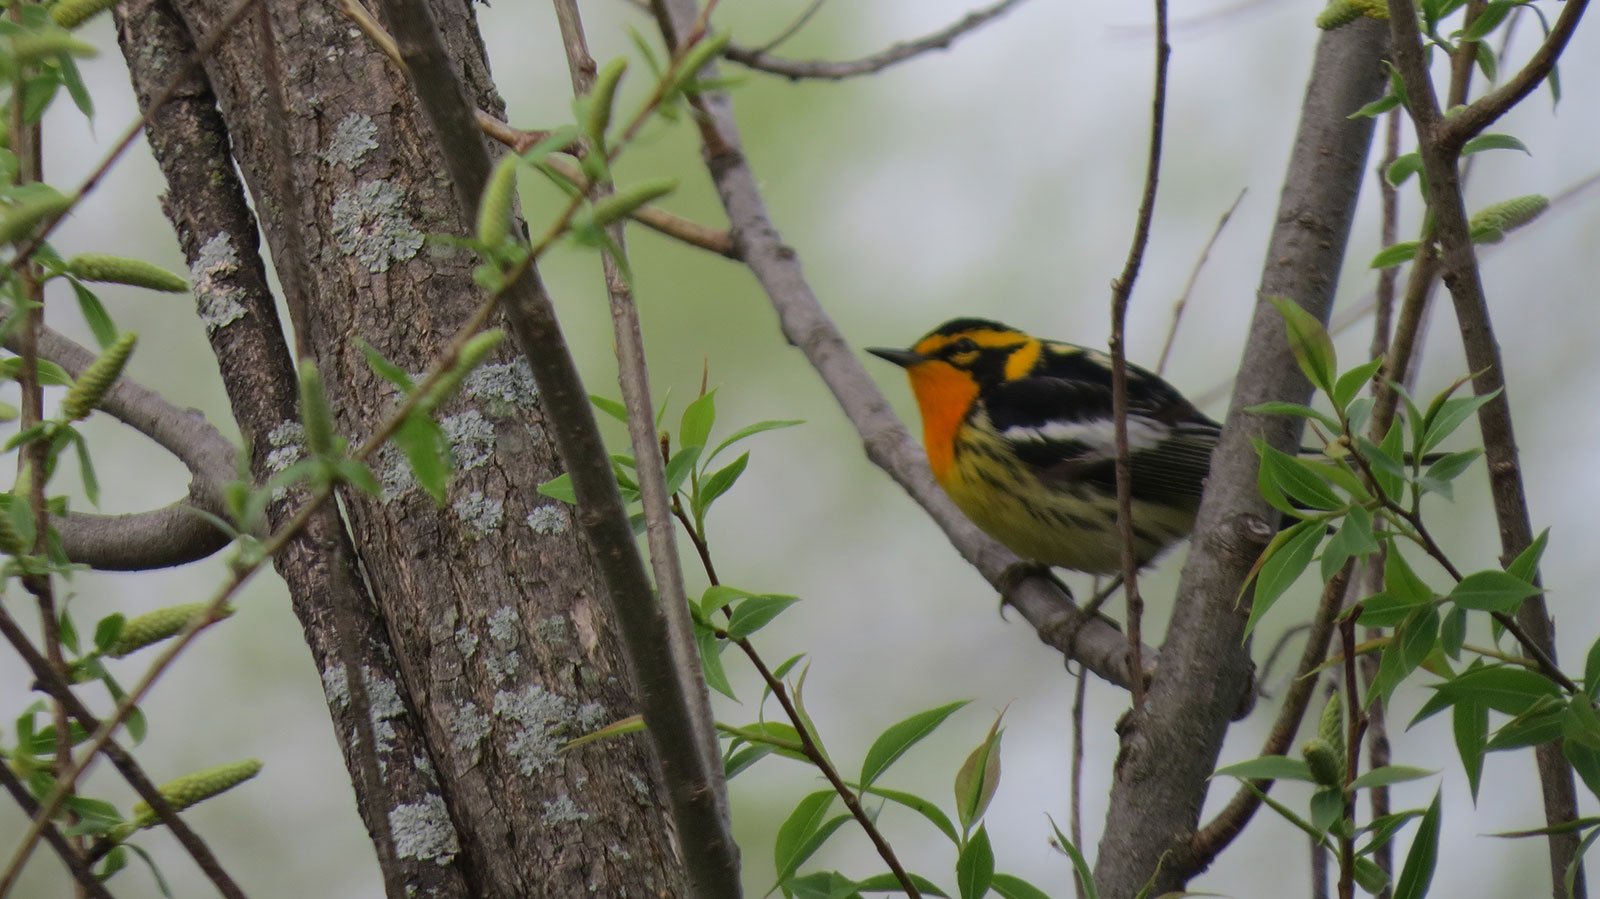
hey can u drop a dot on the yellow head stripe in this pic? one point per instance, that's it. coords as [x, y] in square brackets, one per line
[986, 338]
[1023, 359]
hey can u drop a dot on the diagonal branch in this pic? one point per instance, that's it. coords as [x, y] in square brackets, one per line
[172, 535]
[87, 881]
[1098, 645]
[794, 69]
[1464, 124]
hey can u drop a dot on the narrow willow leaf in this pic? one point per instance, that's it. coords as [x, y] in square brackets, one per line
[901, 736]
[1417, 874]
[1310, 343]
[975, 866]
[1268, 767]
[1284, 567]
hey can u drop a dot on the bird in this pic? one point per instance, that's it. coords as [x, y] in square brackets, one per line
[1019, 432]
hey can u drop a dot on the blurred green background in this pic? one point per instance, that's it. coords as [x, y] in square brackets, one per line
[998, 178]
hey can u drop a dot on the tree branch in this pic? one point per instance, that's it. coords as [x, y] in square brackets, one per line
[671, 716]
[1464, 124]
[1167, 758]
[1121, 291]
[1099, 646]
[162, 538]
[87, 881]
[796, 70]
[1439, 145]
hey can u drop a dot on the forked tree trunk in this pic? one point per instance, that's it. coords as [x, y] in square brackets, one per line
[479, 629]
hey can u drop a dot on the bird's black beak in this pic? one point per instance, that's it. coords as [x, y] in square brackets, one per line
[902, 358]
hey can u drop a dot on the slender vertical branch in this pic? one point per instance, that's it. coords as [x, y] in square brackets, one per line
[634, 378]
[1121, 291]
[1439, 144]
[1355, 726]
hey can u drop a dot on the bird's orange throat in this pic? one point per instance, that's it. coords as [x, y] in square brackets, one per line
[944, 396]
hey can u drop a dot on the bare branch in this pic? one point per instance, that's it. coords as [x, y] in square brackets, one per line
[87, 881]
[1205, 665]
[1194, 276]
[1121, 291]
[761, 60]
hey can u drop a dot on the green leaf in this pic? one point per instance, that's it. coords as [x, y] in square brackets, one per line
[921, 806]
[1400, 580]
[1369, 876]
[1296, 410]
[1449, 415]
[711, 661]
[1493, 142]
[385, 369]
[1376, 107]
[757, 612]
[820, 885]
[91, 483]
[428, 451]
[1080, 865]
[736, 763]
[560, 488]
[750, 431]
[1453, 632]
[1269, 767]
[1526, 565]
[888, 883]
[1354, 538]
[975, 866]
[1491, 591]
[94, 315]
[1395, 254]
[794, 842]
[1488, 19]
[1296, 480]
[1353, 381]
[979, 777]
[1384, 828]
[1439, 475]
[1389, 774]
[1505, 689]
[719, 596]
[1327, 808]
[610, 407]
[1580, 723]
[680, 466]
[719, 482]
[698, 416]
[1009, 886]
[1417, 873]
[1283, 567]
[1309, 342]
[1404, 166]
[1535, 727]
[901, 736]
[108, 630]
[1585, 761]
[1408, 648]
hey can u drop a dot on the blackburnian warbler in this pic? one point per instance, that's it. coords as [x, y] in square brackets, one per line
[1019, 432]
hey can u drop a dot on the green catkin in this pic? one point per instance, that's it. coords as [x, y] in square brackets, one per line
[1507, 215]
[99, 267]
[625, 202]
[315, 416]
[38, 46]
[153, 627]
[494, 210]
[197, 787]
[72, 13]
[91, 386]
[18, 220]
[601, 98]
[472, 355]
[1340, 13]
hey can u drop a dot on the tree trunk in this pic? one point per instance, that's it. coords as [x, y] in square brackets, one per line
[478, 629]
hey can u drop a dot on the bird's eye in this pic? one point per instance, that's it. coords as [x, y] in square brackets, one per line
[964, 345]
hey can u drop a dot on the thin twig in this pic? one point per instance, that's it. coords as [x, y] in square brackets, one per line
[793, 28]
[1355, 726]
[808, 745]
[1075, 784]
[1121, 290]
[836, 71]
[1194, 275]
[85, 878]
[1464, 124]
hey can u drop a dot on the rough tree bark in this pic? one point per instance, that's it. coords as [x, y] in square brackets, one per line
[477, 629]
